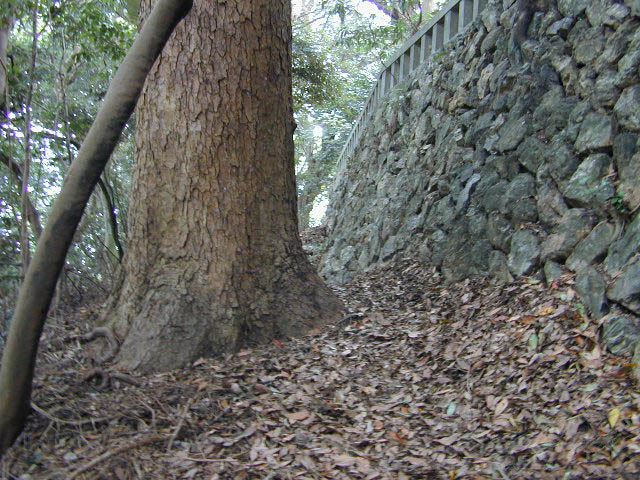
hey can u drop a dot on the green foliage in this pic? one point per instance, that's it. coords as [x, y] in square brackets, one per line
[620, 205]
[80, 46]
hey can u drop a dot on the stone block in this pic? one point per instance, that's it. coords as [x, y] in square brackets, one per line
[572, 227]
[590, 285]
[512, 133]
[519, 199]
[606, 12]
[572, 8]
[597, 132]
[524, 254]
[498, 267]
[593, 247]
[628, 64]
[624, 248]
[627, 108]
[499, 231]
[530, 153]
[590, 185]
[620, 332]
[552, 270]
[625, 289]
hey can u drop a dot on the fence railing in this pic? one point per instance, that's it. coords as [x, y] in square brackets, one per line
[427, 41]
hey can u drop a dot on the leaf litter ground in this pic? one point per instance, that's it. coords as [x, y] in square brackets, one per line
[422, 380]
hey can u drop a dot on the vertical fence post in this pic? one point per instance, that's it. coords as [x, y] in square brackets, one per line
[438, 37]
[466, 14]
[451, 24]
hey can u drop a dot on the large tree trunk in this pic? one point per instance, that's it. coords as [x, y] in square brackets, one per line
[214, 261]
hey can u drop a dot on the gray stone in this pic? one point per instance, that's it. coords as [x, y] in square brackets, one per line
[554, 109]
[552, 270]
[623, 249]
[572, 8]
[588, 43]
[590, 285]
[628, 64]
[512, 133]
[620, 333]
[576, 117]
[626, 287]
[550, 204]
[586, 81]
[634, 5]
[498, 267]
[389, 248]
[519, 199]
[561, 27]
[567, 69]
[490, 18]
[489, 42]
[525, 253]
[530, 153]
[627, 158]
[606, 12]
[464, 197]
[606, 92]
[596, 132]
[574, 225]
[627, 108]
[615, 47]
[467, 262]
[506, 166]
[593, 248]
[491, 198]
[562, 161]
[590, 185]
[499, 231]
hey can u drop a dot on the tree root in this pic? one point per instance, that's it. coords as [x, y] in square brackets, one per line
[106, 378]
[101, 332]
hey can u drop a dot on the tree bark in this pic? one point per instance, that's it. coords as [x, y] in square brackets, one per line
[214, 261]
[37, 290]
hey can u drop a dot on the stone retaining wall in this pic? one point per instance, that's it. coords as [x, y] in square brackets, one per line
[489, 160]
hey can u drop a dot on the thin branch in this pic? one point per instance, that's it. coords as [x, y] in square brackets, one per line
[115, 451]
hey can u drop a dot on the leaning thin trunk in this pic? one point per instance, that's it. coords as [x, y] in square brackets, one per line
[37, 290]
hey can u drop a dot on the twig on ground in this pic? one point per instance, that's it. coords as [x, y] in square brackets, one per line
[76, 423]
[176, 431]
[115, 451]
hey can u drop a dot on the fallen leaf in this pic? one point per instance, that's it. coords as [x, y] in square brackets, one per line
[614, 416]
[298, 416]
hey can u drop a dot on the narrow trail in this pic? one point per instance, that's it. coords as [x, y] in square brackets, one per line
[423, 380]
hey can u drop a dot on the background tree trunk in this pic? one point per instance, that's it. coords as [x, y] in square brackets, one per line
[214, 261]
[6, 24]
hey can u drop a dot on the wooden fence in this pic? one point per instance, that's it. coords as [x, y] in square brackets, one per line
[427, 41]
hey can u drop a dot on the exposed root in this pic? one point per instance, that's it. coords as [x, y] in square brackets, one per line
[101, 332]
[106, 378]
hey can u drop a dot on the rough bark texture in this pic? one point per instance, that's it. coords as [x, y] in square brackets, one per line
[214, 261]
[36, 292]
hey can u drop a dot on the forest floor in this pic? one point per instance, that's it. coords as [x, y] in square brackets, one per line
[422, 380]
